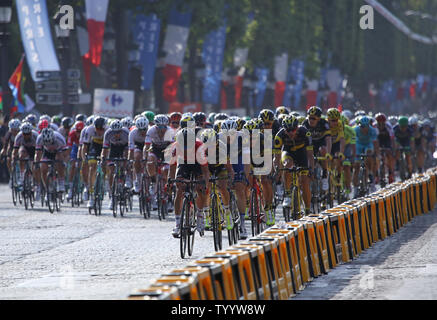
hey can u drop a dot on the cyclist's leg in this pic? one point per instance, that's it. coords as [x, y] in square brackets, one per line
[137, 168]
[60, 167]
[347, 163]
[287, 162]
[182, 172]
[300, 159]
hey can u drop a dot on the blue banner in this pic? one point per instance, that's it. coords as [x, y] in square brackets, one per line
[213, 52]
[261, 85]
[146, 34]
[36, 36]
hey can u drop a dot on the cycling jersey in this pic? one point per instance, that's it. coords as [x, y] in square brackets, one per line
[137, 139]
[294, 148]
[82, 136]
[9, 141]
[386, 135]
[337, 132]
[94, 140]
[158, 143]
[116, 138]
[403, 137]
[64, 132]
[73, 143]
[188, 163]
[366, 139]
[319, 132]
[58, 144]
[350, 136]
[21, 141]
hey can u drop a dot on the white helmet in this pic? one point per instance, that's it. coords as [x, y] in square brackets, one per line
[161, 120]
[116, 125]
[48, 135]
[14, 124]
[229, 125]
[142, 123]
[26, 128]
[413, 121]
[348, 114]
[45, 117]
[89, 121]
[127, 122]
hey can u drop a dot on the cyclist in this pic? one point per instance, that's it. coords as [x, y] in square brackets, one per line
[66, 124]
[51, 145]
[337, 135]
[56, 120]
[158, 138]
[367, 144]
[281, 110]
[137, 139]
[80, 117]
[85, 172]
[429, 132]
[349, 152]
[115, 143]
[175, 119]
[127, 123]
[269, 123]
[404, 139]
[419, 141]
[238, 153]
[200, 119]
[8, 144]
[188, 159]
[24, 148]
[150, 115]
[42, 124]
[32, 119]
[73, 145]
[386, 141]
[321, 139]
[293, 147]
[92, 148]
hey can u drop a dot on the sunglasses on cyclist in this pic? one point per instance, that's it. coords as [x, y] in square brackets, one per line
[313, 118]
[162, 127]
[175, 123]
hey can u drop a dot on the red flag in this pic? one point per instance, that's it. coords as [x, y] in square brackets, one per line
[279, 92]
[15, 85]
[172, 75]
[96, 16]
[238, 90]
[224, 99]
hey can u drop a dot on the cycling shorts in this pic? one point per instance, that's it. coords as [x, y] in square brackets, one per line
[184, 171]
[29, 150]
[363, 148]
[218, 171]
[299, 158]
[317, 144]
[335, 148]
[117, 151]
[48, 155]
[74, 152]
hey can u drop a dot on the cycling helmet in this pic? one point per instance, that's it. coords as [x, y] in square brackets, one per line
[218, 125]
[240, 123]
[229, 125]
[360, 113]
[175, 117]
[345, 120]
[67, 122]
[290, 123]
[161, 120]
[403, 121]
[32, 119]
[393, 120]
[266, 115]
[26, 128]
[48, 135]
[45, 117]
[185, 120]
[149, 115]
[199, 118]
[208, 135]
[282, 117]
[14, 124]
[43, 124]
[348, 114]
[127, 122]
[333, 114]
[364, 121]
[142, 123]
[89, 121]
[250, 125]
[79, 125]
[427, 123]
[413, 121]
[116, 125]
[380, 117]
[99, 122]
[315, 111]
[57, 120]
[221, 116]
[281, 110]
[259, 124]
[211, 117]
[301, 119]
[80, 117]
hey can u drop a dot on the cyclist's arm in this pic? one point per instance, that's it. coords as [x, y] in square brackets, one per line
[105, 152]
[342, 145]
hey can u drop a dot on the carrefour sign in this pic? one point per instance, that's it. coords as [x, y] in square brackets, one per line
[114, 103]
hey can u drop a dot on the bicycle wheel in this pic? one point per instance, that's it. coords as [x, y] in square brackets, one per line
[192, 228]
[122, 199]
[141, 199]
[14, 187]
[51, 193]
[184, 227]
[295, 214]
[159, 196]
[114, 197]
[254, 212]
[230, 232]
[216, 224]
[43, 194]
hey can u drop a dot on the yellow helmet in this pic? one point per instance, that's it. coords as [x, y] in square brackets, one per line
[333, 114]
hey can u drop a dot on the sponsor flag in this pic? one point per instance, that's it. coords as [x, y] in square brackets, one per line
[281, 66]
